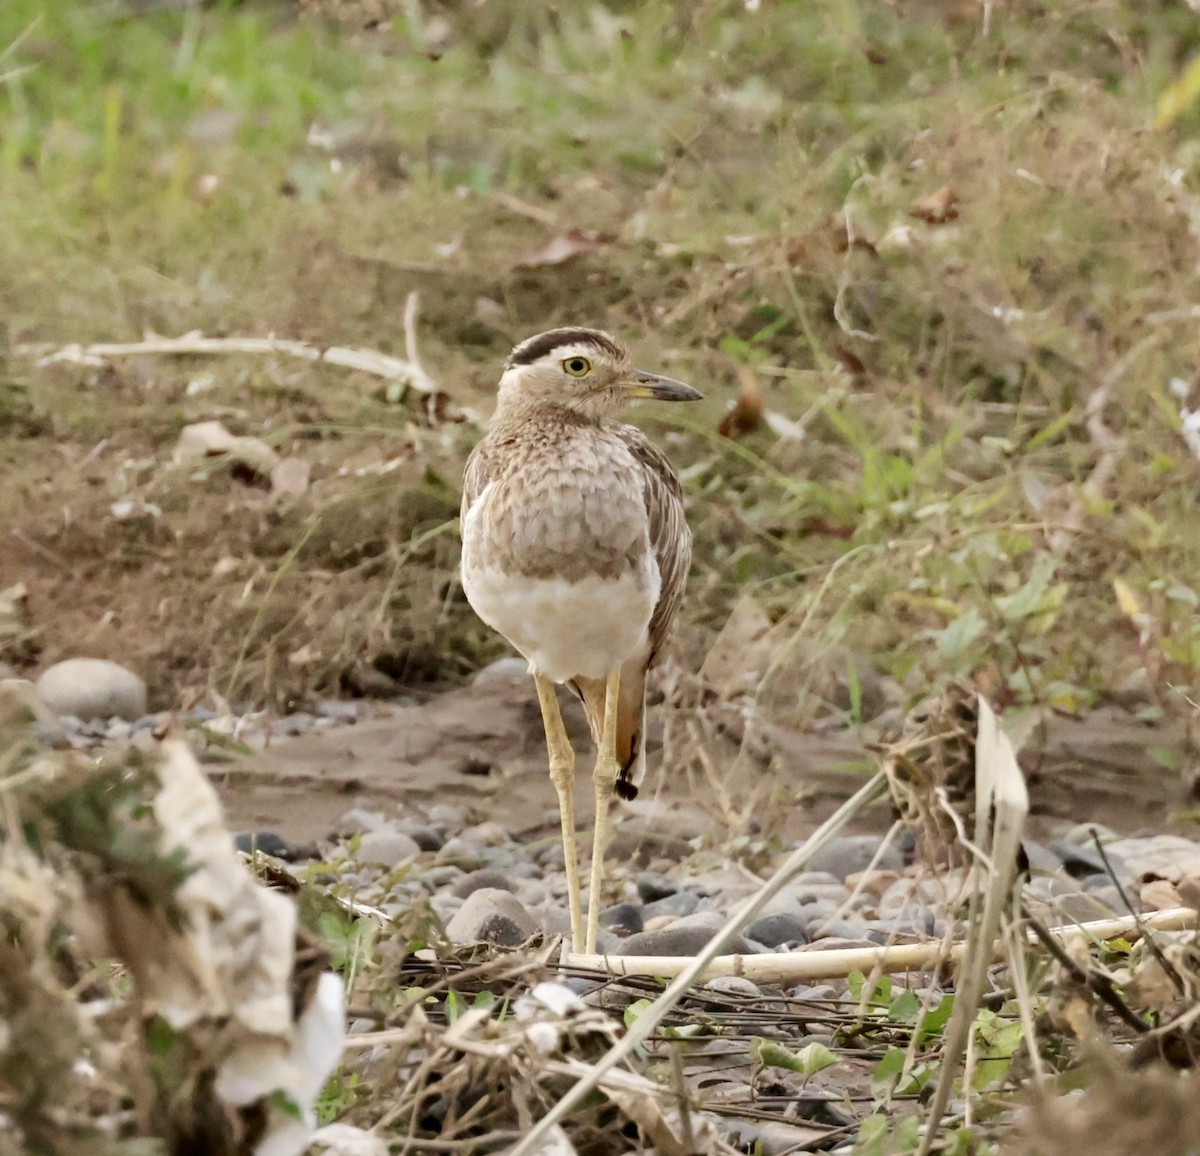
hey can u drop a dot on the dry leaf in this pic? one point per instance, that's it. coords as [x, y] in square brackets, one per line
[937, 208]
[746, 413]
[558, 250]
[210, 439]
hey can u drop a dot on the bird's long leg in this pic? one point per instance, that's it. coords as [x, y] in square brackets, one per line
[562, 775]
[604, 778]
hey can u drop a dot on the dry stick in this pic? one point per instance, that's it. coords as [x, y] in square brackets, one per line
[645, 1025]
[367, 360]
[898, 957]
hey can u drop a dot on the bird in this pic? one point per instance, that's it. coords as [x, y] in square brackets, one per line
[576, 549]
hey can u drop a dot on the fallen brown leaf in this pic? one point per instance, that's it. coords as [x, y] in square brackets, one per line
[746, 413]
[937, 208]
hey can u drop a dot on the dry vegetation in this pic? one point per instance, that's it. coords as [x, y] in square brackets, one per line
[945, 254]
[934, 268]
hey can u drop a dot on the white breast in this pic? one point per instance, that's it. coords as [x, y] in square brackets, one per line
[586, 628]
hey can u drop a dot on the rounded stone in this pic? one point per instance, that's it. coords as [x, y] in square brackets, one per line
[622, 920]
[680, 903]
[485, 877]
[386, 847]
[268, 842]
[93, 688]
[677, 940]
[775, 930]
[851, 853]
[493, 916]
[652, 886]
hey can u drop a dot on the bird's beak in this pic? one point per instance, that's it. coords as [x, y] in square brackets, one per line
[640, 384]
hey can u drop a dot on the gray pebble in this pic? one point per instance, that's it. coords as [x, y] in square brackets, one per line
[268, 842]
[775, 930]
[850, 853]
[652, 886]
[427, 838]
[493, 916]
[849, 929]
[1080, 859]
[733, 985]
[1040, 857]
[484, 877]
[676, 940]
[91, 688]
[623, 919]
[386, 847]
[681, 903]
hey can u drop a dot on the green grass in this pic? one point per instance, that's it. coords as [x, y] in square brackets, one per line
[248, 168]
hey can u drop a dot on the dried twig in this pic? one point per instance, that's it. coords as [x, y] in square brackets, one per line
[408, 370]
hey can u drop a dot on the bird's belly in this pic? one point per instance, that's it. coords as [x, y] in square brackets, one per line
[567, 629]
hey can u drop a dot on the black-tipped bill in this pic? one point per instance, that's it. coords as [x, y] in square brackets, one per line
[653, 387]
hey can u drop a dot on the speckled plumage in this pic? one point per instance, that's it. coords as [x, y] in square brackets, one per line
[575, 544]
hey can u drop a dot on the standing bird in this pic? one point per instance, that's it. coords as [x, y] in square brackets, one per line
[576, 549]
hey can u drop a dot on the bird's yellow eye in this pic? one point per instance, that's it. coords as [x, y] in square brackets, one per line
[577, 366]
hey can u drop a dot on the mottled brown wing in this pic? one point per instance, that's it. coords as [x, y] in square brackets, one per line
[476, 475]
[670, 537]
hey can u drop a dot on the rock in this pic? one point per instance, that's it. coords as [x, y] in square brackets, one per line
[836, 943]
[484, 877]
[849, 929]
[359, 819]
[850, 853]
[733, 985]
[92, 688]
[427, 838]
[268, 842]
[678, 940]
[939, 891]
[652, 886]
[622, 920]
[1040, 857]
[490, 915]
[685, 936]
[680, 903]
[1157, 856]
[386, 847]
[1081, 859]
[776, 930]
[489, 834]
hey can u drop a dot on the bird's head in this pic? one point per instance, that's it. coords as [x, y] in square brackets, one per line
[583, 370]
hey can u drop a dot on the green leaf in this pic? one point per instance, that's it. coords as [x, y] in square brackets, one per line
[810, 1059]
[957, 638]
[634, 1010]
[905, 1008]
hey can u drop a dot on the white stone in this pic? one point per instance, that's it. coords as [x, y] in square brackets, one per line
[90, 688]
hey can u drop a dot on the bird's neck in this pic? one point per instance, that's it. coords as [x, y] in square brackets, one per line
[514, 412]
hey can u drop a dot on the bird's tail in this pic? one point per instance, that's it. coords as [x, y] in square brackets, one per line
[631, 721]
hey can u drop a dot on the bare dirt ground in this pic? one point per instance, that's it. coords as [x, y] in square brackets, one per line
[481, 747]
